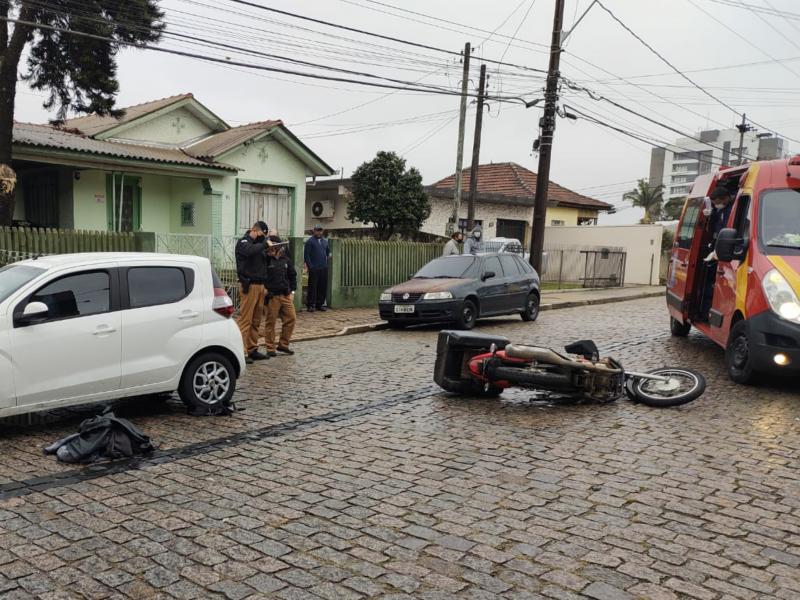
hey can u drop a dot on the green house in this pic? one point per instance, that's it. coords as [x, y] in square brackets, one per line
[166, 166]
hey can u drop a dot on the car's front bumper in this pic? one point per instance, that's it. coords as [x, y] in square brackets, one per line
[770, 336]
[425, 311]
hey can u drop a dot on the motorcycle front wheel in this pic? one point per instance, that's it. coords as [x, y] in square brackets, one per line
[683, 386]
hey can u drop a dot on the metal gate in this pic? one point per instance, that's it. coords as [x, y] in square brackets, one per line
[603, 268]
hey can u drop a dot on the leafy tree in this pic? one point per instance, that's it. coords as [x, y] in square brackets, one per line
[673, 208]
[650, 198]
[388, 195]
[78, 71]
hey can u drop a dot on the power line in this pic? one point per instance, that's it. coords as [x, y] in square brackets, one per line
[373, 34]
[744, 38]
[666, 61]
[406, 85]
[645, 117]
[681, 73]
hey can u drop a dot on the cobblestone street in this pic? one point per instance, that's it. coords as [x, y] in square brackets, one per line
[349, 474]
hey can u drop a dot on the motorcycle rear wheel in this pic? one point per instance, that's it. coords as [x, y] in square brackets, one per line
[684, 386]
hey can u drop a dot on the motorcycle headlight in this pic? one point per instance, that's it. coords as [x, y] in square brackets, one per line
[438, 296]
[386, 296]
[781, 297]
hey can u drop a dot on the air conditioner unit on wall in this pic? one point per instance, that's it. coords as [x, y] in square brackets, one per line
[323, 209]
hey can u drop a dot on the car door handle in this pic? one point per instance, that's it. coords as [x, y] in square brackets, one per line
[188, 315]
[104, 330]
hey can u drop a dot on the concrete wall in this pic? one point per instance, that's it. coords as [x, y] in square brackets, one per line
[188, 190]
[173, 128]
[442, 209]
[642, 243]
[90, 201]
[156, 195]
[339, 195]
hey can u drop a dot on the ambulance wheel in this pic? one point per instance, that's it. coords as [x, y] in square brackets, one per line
[679, 329]
[738, 358]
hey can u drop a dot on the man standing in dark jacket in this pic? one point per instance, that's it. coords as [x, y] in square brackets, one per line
[281, 285]
[251, 268]
[316, 254]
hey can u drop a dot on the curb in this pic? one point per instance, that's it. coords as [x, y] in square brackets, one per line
[380, 325]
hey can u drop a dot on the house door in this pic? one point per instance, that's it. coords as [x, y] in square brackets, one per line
[268, 203]
[511, 228]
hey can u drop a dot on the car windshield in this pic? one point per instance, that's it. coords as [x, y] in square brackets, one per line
[13, 277]
[446, 267]
[779, 221]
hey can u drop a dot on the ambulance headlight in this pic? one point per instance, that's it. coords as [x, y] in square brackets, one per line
[781, 297]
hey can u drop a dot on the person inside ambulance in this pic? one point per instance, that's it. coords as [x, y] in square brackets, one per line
[722, 201]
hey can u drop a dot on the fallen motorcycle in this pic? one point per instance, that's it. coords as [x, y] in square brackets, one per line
[485, 365]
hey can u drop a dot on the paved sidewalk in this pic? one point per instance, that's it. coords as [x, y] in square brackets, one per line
[318, 325]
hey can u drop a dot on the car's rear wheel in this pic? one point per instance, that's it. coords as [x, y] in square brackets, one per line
[468, 315]
[531, 310]
[208, 383]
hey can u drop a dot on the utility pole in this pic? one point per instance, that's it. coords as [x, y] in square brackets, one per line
[461, 124]
[476, 151]
[547, 125]
[743, 128]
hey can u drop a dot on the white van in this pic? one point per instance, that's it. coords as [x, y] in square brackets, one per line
[81, 328]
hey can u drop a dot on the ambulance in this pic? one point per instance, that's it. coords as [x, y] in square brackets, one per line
[745, 297]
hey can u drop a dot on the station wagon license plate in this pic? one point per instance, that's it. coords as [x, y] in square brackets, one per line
[403, 309]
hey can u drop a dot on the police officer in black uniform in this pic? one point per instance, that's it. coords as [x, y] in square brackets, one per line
[251, 268]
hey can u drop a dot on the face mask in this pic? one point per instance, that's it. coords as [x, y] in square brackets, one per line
[719, 206]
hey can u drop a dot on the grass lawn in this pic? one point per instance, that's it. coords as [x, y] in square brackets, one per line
[553, 285]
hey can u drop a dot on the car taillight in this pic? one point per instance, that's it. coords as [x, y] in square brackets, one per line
[222, 304]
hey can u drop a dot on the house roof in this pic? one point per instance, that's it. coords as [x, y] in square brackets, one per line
[95, 124]
[219, 143]
[48, 137]
[513, 184]
[216, 145]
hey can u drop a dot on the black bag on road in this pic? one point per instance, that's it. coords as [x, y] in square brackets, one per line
[103, 436]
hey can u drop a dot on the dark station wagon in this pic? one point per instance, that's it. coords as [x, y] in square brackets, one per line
[460, 289]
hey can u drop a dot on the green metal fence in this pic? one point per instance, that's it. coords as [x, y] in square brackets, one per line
[362, 269]
[64, 241]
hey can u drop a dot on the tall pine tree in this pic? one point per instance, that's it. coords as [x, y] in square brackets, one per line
[78, 72]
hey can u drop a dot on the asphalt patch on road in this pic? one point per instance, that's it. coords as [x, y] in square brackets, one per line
[25, 487]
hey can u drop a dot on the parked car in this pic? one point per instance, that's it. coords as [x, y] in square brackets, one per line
[461, 289]
[502, 244]
[84, 328]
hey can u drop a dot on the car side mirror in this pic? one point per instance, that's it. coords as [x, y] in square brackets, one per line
[35, 312]
[487, 275]
[729, 245]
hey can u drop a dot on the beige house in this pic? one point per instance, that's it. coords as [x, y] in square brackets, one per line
[504, 204]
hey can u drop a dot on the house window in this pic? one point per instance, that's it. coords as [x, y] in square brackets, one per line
[587, 221]
[557, 223]
[187, 214]
[268, 203]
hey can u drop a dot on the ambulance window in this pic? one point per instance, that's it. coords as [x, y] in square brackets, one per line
[741, 221]
[688, 225]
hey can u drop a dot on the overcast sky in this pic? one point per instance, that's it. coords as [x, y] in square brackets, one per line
[587, 158]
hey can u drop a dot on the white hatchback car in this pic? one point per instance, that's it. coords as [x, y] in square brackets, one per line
[80, 328]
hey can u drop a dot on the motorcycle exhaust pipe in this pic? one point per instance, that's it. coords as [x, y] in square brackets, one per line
[551, 381]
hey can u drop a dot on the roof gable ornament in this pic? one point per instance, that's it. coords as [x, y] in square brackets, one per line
[178, 124]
